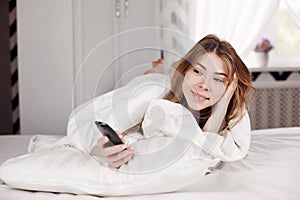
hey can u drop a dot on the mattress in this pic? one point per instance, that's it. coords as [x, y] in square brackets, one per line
[269, 171]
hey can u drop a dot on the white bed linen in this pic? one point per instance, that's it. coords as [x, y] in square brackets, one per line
[270, 171]
[13, 145]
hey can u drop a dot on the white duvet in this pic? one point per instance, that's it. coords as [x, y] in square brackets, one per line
[172, 153]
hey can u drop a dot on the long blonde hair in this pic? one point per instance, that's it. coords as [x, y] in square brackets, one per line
[242, 95]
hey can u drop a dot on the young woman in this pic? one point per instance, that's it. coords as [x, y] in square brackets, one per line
[214, 84]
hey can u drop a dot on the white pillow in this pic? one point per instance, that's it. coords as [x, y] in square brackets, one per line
[166, 161]
[70, 171]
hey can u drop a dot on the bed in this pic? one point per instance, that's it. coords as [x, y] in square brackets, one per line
[269, 171]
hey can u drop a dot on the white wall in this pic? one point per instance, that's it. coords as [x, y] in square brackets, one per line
[45, 65]
[93, 48]
[56, 36]
[109, 44]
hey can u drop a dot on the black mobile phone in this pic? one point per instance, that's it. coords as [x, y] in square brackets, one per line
[106, 130]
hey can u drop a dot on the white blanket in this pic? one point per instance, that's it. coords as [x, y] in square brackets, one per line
[172, 153]
[121, 109]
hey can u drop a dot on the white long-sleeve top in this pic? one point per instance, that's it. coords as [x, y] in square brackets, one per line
[168, 128]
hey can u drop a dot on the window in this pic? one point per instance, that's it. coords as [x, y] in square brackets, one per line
[288, 37]
[284, 34]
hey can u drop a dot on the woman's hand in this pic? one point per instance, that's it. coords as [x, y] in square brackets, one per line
[157, 67]
[225, 99]
[215, 121]
[116, 155]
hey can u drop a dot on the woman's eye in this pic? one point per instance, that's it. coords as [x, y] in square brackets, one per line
[197, 71]
[219, 80]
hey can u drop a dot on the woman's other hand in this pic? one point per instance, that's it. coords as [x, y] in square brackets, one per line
[116, 155]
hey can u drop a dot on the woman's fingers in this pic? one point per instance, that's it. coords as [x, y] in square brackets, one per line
[102, 141]
[233, 83]
[232, 87]
[118, 163]
[108, 151]
[225, 99]
[119, 156]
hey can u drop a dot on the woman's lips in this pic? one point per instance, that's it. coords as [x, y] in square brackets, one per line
[199, 97]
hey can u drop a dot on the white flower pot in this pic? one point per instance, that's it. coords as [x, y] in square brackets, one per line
[262, 59]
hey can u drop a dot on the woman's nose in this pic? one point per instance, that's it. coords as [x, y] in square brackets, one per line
[203, 83]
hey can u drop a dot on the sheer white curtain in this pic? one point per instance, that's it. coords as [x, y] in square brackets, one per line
[241, 23]
[294, 7]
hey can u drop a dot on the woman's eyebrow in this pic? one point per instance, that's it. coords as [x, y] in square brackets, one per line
[221, 73]
[201, 65]
[218, 73]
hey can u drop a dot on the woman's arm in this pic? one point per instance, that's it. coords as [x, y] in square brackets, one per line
[173, 123]
[235, 143]
[215, 121]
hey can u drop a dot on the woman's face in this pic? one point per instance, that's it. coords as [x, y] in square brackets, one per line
[205, 83]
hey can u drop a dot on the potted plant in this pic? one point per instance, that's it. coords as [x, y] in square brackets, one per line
[262, 49]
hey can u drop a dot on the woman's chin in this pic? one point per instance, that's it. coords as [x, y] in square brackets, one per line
[195, 107]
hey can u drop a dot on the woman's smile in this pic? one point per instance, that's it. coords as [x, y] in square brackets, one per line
[199, 97]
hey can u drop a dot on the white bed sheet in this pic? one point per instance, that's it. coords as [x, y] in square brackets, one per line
[13, 145]
[271, 170]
